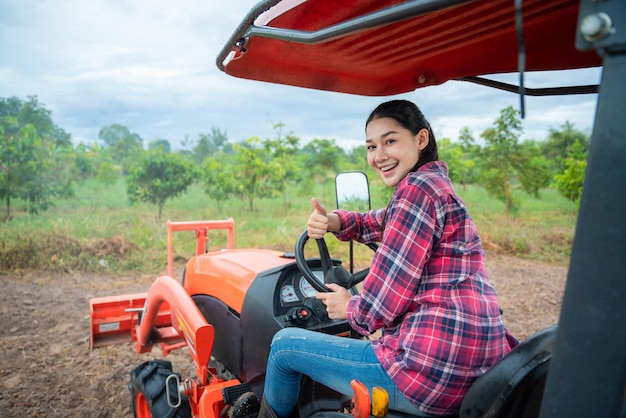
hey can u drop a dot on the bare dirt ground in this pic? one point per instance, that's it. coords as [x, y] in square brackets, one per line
[48, 370]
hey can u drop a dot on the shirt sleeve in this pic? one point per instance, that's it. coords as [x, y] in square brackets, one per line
[361, 227]
[389, 290]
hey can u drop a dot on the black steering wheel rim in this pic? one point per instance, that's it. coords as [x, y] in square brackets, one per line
[326, 262]
[304, 267]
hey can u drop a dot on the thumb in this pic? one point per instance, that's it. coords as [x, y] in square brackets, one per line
[318, 207]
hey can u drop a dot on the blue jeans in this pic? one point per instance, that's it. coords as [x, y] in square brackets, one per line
[330, 360]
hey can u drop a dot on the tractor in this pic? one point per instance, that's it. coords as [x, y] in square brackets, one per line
[230, 302]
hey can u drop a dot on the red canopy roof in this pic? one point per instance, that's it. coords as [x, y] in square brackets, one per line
[437, 43]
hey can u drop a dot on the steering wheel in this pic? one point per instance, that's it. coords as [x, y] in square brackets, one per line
[332, 273]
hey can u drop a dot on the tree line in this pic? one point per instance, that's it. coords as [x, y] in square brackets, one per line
[40, 162]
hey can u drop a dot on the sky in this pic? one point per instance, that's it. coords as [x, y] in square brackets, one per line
[150, 66]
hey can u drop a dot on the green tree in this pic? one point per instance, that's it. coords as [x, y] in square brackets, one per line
[323, 158]
[32, 112]
[565, 150]
[467, 163]
[217, 177]
[209, 144]
[570, 182]
[123, 145]
[254, 173]
[83, 164]
[18, 159]
[107, 173]
[90, 158]
[453, 155]
[357, 158]
[158, 176]
[36, 156]
[533, 174]
[560, 143]
[284, 152]
[160, 143]
[502, 158]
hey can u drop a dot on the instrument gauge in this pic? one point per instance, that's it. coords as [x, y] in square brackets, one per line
[306, 289]
[288, 294]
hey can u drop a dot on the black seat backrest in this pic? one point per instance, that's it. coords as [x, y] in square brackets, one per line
[513, 387]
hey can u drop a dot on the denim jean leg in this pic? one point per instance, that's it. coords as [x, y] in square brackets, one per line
[327, 359]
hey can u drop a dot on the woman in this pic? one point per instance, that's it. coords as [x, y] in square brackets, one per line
[427, 289]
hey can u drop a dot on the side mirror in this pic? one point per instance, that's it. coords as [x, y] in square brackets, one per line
[353, 191]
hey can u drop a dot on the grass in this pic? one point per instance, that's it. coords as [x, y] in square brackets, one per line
[97, 229]
[544, 229]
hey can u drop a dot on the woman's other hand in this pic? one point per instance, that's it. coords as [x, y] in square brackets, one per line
[335, 301]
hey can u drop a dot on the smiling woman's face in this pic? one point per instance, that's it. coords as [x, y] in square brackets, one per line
[393, 150]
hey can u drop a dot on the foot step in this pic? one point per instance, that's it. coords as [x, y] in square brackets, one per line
[231, 393]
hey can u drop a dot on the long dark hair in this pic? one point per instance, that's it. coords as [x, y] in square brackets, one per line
[410, 117]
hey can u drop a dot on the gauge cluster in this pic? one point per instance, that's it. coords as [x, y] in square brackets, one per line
[295, 288]
[295, 304]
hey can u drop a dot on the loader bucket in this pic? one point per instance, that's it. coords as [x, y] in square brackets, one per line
[114, 318]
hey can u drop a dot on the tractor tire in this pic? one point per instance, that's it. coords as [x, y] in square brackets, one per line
[148, 391]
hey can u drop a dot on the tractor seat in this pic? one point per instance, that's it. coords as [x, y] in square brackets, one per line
[513, 387]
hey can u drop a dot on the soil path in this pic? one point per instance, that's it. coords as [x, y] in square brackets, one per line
[48, 370]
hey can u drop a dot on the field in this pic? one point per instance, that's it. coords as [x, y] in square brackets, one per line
[98, 231]
[46, 366]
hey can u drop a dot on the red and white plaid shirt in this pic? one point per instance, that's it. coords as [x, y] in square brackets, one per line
[428, 291]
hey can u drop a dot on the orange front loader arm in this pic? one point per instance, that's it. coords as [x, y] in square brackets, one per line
[187, 322]
[166, 315]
